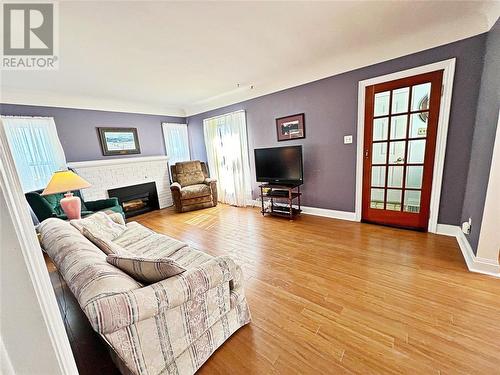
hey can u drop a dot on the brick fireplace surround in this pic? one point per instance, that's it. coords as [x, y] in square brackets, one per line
[122, 172]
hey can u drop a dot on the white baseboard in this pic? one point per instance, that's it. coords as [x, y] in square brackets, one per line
[334, 214]
[474, 263]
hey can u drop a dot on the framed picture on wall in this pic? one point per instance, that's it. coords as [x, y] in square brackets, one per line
[291, 127]
[119, 141]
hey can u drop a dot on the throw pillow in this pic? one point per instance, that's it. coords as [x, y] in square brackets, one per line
[146, 270]
[100, 225]
[108, 247]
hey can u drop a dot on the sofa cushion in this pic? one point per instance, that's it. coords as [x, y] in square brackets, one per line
[189, 173]
[195, 191]
[144, 269]
[107, 246]
[143, 242]
[100, 226]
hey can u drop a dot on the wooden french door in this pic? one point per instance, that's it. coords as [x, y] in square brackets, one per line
[401, 119]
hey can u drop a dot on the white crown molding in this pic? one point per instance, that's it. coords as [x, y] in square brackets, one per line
[116, 161]
[10, 95]
[338, 64]
[474, 263]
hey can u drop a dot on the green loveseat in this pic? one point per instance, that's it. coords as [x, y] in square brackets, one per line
[45, 206]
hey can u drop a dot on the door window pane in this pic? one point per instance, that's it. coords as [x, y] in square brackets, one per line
[398, 127]
[412, 201]
[379, 151]
[420, 97]
[378, 176]
[377, 199]
[381, 106]
[414, 176]
[380, 126]
[416, 151]
[393, 200]
[395, 177]
[418, 125]
[400, 100]
[397, 152]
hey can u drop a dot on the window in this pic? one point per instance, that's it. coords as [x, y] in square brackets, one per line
[227, 152]
[35, 148]
[176, 142]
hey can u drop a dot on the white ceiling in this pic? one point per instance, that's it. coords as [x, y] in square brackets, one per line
[181, 58]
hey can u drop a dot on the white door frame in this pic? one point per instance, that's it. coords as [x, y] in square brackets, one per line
[489, 242]
[442, 131]
[35, 264]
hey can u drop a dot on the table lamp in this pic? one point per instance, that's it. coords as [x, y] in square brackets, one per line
[66, 182]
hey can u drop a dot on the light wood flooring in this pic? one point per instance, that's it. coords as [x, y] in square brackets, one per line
[332, 297]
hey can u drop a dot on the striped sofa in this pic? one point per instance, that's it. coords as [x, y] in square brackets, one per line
[169, 327]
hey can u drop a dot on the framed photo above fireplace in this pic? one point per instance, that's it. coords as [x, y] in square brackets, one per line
[119, 141]
[291, 127]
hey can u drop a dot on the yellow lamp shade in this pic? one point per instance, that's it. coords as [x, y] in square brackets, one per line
[65, 181]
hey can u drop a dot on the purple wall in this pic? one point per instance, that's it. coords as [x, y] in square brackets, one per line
[484, 137]
[78, 134]
[330, 107]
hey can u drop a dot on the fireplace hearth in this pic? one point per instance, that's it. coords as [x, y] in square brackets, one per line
[136, 199]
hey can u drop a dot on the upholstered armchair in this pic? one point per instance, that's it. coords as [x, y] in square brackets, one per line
[192, 189]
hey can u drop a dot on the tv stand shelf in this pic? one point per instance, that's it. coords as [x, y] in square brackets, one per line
[280, 198]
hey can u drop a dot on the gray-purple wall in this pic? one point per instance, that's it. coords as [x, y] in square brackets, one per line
[330, 107]
[77, 129]
[484, 137]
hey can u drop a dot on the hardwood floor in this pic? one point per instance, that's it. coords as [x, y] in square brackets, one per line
[331, 297]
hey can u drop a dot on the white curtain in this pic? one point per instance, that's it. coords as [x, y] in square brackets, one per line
[176, 142]
[36, 149]
[227, 153]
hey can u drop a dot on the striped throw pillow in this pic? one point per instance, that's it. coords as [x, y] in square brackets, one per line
[146, 270]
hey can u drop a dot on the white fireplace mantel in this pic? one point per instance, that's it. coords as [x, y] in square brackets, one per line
[99, 163]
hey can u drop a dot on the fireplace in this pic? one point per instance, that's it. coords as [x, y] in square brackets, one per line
[136, 199]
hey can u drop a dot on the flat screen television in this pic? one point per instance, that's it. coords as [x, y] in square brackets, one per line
[279, 165]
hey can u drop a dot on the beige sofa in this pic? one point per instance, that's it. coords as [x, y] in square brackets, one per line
[169, 327]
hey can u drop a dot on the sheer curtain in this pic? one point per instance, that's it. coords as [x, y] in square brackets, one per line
[227, 153]
[36, 149]
[176, 142]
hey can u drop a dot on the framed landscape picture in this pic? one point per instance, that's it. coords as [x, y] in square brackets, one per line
[119, 141]
[291, 127]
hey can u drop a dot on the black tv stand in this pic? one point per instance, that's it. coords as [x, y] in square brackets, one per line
[280, 197]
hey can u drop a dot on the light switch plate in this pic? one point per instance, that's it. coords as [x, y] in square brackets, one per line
[347, 139]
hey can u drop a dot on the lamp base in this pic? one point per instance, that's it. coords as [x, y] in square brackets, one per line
[71, 206]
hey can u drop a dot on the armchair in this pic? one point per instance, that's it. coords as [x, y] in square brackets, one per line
[192, 189]
[45, 206]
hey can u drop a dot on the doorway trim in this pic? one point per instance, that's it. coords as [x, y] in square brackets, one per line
[442, 132]
[33, 258]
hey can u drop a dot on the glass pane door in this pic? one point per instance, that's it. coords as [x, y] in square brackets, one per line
[397, 154]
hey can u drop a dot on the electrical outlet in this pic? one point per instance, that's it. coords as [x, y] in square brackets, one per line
[467, 226]
[347, 139]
